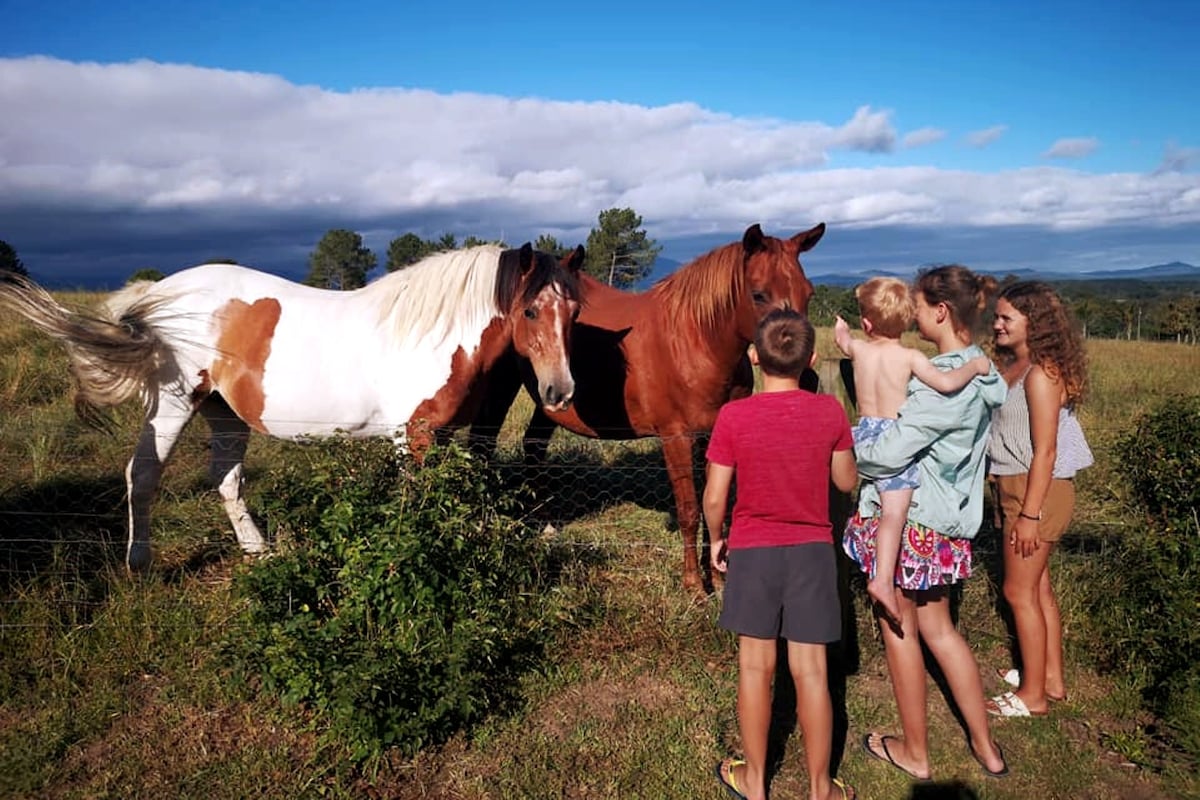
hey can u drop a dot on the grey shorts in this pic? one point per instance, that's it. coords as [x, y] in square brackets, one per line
[783, 591]
[868, 429]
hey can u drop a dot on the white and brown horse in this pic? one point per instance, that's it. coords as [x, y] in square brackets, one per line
[252, 351]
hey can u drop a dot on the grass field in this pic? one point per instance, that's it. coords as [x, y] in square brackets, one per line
[112, 686]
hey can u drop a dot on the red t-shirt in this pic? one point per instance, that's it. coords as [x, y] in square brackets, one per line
[780, 445]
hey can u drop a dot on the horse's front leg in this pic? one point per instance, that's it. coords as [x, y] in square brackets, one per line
[677, 451]
[536, 440]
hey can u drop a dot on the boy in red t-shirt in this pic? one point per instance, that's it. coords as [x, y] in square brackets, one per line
[785, 445]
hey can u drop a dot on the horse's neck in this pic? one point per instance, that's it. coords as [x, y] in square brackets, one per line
[716, 339]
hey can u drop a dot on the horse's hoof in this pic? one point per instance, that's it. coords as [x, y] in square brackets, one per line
[137, 560]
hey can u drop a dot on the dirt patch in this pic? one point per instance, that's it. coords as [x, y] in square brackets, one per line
[602, 700]
[159, 748]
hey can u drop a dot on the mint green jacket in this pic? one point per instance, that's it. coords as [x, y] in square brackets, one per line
[948, 437]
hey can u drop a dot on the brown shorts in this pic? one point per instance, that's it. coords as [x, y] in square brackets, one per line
[1056, 510]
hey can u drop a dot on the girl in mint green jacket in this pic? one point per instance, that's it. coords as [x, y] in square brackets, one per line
[948, 437]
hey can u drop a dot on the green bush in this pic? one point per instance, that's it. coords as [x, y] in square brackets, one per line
[1161, 457]
[1147, 589]
[403, 602]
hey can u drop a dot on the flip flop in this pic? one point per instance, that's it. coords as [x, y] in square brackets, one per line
[999, 773]
[1010, 705]
[886, 755]
[848, 792]
[726, 767]
[1013, 678]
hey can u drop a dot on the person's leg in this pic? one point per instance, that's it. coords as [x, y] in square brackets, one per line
[892, 519]
[906, 667]
[1022, 578]
[756, 670]
[954, 656]
[1056, 687]
[814, 712]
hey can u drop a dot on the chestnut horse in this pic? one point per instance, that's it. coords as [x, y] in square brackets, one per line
[662, 362]
[252, 351]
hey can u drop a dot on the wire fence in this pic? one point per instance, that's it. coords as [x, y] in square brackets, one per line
[63, 500]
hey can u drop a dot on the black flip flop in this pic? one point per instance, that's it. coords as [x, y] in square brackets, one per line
[886, 757]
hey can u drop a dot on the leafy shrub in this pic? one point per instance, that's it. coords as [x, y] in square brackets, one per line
[1147, 590]
[1161, 456]
[404, 601]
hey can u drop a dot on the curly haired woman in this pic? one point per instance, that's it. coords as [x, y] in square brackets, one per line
[1036, 448]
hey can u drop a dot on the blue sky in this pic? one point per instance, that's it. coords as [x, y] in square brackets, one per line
[159, 134]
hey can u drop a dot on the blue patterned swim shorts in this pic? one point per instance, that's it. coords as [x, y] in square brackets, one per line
[869, 429]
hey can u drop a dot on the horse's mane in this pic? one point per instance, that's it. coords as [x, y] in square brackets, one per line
[706, 290]
[462, 287]
[440, 292]
[546, 270]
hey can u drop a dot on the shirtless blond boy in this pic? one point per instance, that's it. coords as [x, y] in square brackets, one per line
[882, 370]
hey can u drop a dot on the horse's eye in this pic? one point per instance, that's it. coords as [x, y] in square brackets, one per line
[575, 313]
[531, 313]
[758, 297]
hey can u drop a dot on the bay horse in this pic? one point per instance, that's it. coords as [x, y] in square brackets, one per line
[662, 362]
[250, 351]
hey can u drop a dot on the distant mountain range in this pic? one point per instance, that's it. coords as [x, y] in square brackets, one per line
[1174, 271]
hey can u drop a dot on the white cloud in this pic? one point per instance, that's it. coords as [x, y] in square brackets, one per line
[983, 138]
[1079, 147]
[144, 137]
[921, 137]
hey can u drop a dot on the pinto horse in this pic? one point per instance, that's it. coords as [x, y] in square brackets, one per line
[662, 362]
[252, 351]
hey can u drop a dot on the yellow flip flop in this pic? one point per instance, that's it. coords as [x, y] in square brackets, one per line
[725, 768]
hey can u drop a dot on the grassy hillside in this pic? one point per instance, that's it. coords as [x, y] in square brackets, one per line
[112, 686]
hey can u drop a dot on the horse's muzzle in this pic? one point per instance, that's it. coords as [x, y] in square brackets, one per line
[557, 399]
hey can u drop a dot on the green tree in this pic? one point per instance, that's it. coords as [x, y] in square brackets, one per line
[146, 274]
[548, 244]
[829, 301]
[340, 261]
[406, 250]
[1100, 317]
[9, 261]
[618, 251]
[475, 241]
[448, 242]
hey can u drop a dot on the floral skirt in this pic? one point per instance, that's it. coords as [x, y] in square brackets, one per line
[927, 558]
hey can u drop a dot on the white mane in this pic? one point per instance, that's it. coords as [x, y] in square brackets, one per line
[439, 293]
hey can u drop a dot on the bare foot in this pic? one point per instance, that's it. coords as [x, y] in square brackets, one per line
[884, 594]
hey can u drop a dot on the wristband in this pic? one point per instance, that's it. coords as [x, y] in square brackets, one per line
[1038, 518]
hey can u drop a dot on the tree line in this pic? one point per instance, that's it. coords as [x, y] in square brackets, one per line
[620, 254]
[1112, 309]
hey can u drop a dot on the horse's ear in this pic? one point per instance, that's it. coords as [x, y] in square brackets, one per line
[525, 257]
[752, 240]
[808, 239]
[573, 261]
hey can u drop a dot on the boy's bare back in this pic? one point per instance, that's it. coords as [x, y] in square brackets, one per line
[882, 369]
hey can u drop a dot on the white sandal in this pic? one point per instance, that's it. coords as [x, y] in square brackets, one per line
[1013, 678]
[1010, 705]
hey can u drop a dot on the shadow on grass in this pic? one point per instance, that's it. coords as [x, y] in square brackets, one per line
[74, 529]
[576, 484]
[67, 525]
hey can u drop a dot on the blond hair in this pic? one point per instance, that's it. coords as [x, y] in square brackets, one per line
[887, 304]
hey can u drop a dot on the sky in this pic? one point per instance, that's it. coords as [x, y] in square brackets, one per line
[1057, 136]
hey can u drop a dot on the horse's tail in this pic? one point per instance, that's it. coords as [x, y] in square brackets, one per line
[112, 359]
